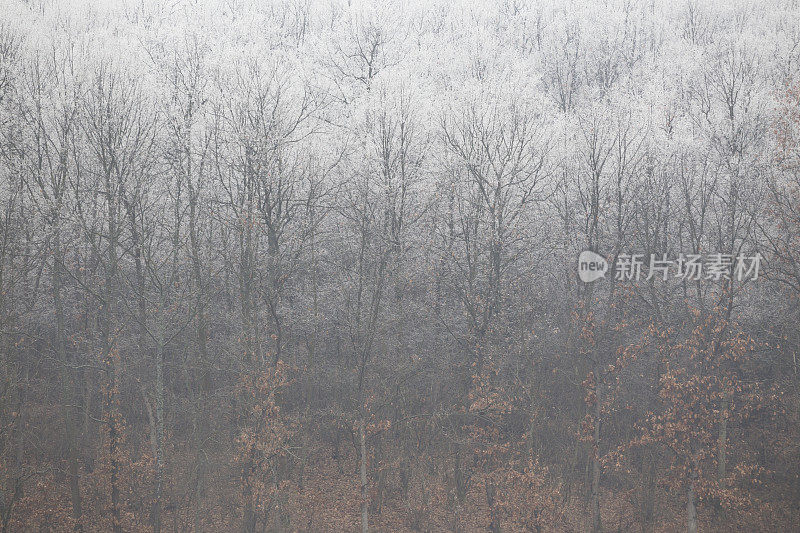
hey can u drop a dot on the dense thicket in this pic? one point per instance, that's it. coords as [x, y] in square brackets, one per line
[311, 266]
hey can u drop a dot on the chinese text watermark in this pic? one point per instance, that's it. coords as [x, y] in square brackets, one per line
[690, 267]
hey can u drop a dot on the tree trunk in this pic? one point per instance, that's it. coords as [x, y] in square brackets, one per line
[494, 519]
[68, 380]
[648, 493]
[248, 469]
[722, 441]
[596, 525]
[691, 510]
[364, 490]
[159, 423]
[111, 359]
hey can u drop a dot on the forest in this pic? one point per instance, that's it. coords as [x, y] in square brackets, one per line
[313, 265]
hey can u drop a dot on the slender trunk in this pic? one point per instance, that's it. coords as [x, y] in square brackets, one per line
[200, 416]
[491, 496]
[722, 441]
[159, 427]
[67, 380]
[7, 504]
[111, 357]
[198, 436]
[364, 490]
[200, 301]
[648, 496]
[312, 345]
[87, 403]
[596, 525]
[249, 523]
[691, 510]
[113, 436]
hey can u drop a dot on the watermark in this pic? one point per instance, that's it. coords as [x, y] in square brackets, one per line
[691, 267]
[591, 266]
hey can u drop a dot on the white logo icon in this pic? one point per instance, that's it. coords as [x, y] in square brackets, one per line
[591, 266]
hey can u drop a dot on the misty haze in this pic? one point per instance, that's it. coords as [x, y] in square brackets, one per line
[376, 266]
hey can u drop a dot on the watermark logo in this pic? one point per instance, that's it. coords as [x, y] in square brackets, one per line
[690, 267]
[591, 266]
